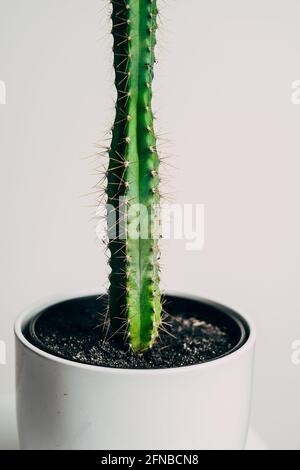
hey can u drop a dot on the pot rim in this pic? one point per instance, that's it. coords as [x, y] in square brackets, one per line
[34, 309]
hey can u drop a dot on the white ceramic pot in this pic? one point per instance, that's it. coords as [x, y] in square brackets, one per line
[67, 405]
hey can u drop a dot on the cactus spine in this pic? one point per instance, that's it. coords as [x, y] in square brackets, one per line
[133, 180]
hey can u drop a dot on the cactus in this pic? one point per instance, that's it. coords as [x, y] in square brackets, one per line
[133, 179]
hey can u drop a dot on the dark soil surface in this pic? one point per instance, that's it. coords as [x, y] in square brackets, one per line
[183, 341]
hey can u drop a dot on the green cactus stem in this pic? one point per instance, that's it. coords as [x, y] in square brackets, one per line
[133, 179]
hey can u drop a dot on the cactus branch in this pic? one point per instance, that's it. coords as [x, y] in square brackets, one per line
[133, 178]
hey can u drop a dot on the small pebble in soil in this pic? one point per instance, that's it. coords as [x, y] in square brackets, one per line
[184, 341]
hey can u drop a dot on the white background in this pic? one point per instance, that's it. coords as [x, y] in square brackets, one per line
[223, 95]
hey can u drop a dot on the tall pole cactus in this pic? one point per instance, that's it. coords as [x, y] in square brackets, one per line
[133, 179]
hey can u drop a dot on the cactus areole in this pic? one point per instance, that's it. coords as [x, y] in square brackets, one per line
[133, 179]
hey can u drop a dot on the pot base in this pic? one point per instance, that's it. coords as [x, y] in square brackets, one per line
[72, 406]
